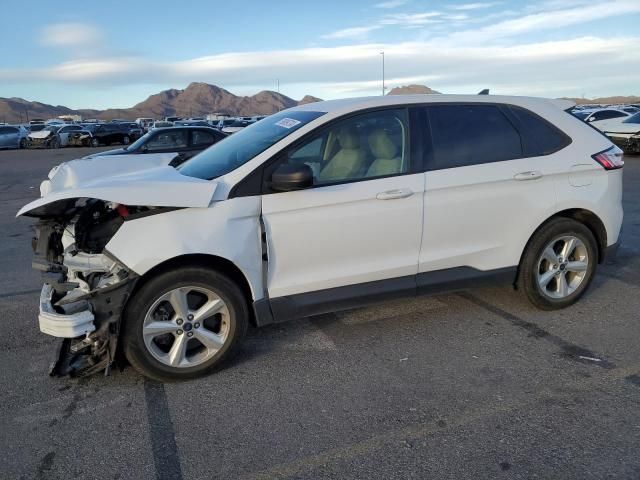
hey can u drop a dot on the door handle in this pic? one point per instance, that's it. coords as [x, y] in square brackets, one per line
[532, 175]
[394, 194]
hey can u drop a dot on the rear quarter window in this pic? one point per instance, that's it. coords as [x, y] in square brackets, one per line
[464, 135]
[539, 137]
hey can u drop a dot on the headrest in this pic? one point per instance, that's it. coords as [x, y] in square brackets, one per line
[348, 138]
[381, 145]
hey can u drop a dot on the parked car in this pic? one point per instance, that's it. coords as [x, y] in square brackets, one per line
[172, 119]
[192, 123]
[624, 133]
[186, 141]
[600, 114]
[13, 136]
[225, 122]
[45, 138]
[144, 123]
[82, 137]
[64, 133]
[236, 126]
[108, 133]
[322, 207]
[135, 131]
[630, 109]
[161, 124]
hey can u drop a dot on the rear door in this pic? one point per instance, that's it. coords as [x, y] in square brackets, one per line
[486, 191]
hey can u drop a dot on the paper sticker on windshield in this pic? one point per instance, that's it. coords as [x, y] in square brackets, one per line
[288, 122]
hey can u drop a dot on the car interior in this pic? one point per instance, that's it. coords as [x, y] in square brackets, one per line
[363, 147]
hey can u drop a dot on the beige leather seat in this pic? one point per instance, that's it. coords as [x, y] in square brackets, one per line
[348, 162]
[385, 153]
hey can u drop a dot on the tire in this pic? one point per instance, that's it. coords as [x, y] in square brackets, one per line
[23, 143]
[55, 143]
[94, 142]
[126, 140]
[554, 284]
[153, 354]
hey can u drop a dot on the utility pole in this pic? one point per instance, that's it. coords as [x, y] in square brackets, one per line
[383, 87]
[278, 85]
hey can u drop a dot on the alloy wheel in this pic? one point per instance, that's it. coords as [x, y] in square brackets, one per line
[562, 267]
[186, 326]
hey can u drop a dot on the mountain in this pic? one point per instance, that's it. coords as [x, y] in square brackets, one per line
[196, 100]
[411, 90]
[606, 100]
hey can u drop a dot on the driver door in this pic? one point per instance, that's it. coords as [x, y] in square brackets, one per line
[356, 231]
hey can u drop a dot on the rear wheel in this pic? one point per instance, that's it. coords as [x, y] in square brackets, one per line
[559, 264]
[184, 324]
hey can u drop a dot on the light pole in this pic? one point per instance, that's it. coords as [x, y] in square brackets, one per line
[278, 84]
[383, 87]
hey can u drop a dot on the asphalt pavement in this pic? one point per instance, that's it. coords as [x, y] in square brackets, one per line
[472, 385]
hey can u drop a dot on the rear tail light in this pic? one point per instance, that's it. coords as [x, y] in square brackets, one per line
[610, 159]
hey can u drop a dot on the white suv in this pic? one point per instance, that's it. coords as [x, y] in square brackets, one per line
[321, 207]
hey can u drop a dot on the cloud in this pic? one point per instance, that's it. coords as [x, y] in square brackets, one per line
[354, 32]
[547, 20]
[491, 56]
[473, 6]
[548, 68]
[391, 4]
[409, 19]
[70, 34]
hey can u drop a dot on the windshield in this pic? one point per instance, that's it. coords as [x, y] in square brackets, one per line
[52, 128]
[91, 128]
[138, 143]
[239, 148]
[633, 118]
[581, 115]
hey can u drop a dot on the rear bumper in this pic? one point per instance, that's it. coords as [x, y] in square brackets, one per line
[62, 325]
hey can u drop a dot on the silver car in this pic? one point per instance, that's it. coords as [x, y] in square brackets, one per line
[13, 137]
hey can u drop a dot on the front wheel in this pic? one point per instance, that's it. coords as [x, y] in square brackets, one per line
[23, 143]
[559, 264]
[94, 142]
[184, 323]
[126, 140]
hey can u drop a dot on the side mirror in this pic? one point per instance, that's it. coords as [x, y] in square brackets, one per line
[291, 177]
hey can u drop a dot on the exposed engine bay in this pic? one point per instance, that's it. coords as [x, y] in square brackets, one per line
[85, 287]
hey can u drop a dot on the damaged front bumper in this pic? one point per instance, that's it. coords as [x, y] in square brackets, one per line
[63, 325]
[89, 327]
[84, 293]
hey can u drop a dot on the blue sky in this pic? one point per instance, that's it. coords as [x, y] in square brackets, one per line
[116, 53]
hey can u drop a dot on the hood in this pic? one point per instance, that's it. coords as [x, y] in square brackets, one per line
[117, 151]
[126, 179]
[622, 128]
[40, 134]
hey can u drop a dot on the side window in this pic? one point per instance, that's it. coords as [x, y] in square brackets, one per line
[606, 115]
[202, 138]
[5, 130]
[364, 146]
[465, 135]
[168, 140]
[539, 137]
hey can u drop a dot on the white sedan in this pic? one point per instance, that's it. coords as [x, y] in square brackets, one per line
[624, 132]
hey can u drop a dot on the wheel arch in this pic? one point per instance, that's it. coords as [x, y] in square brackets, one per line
[583, 216]
[214, 262]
